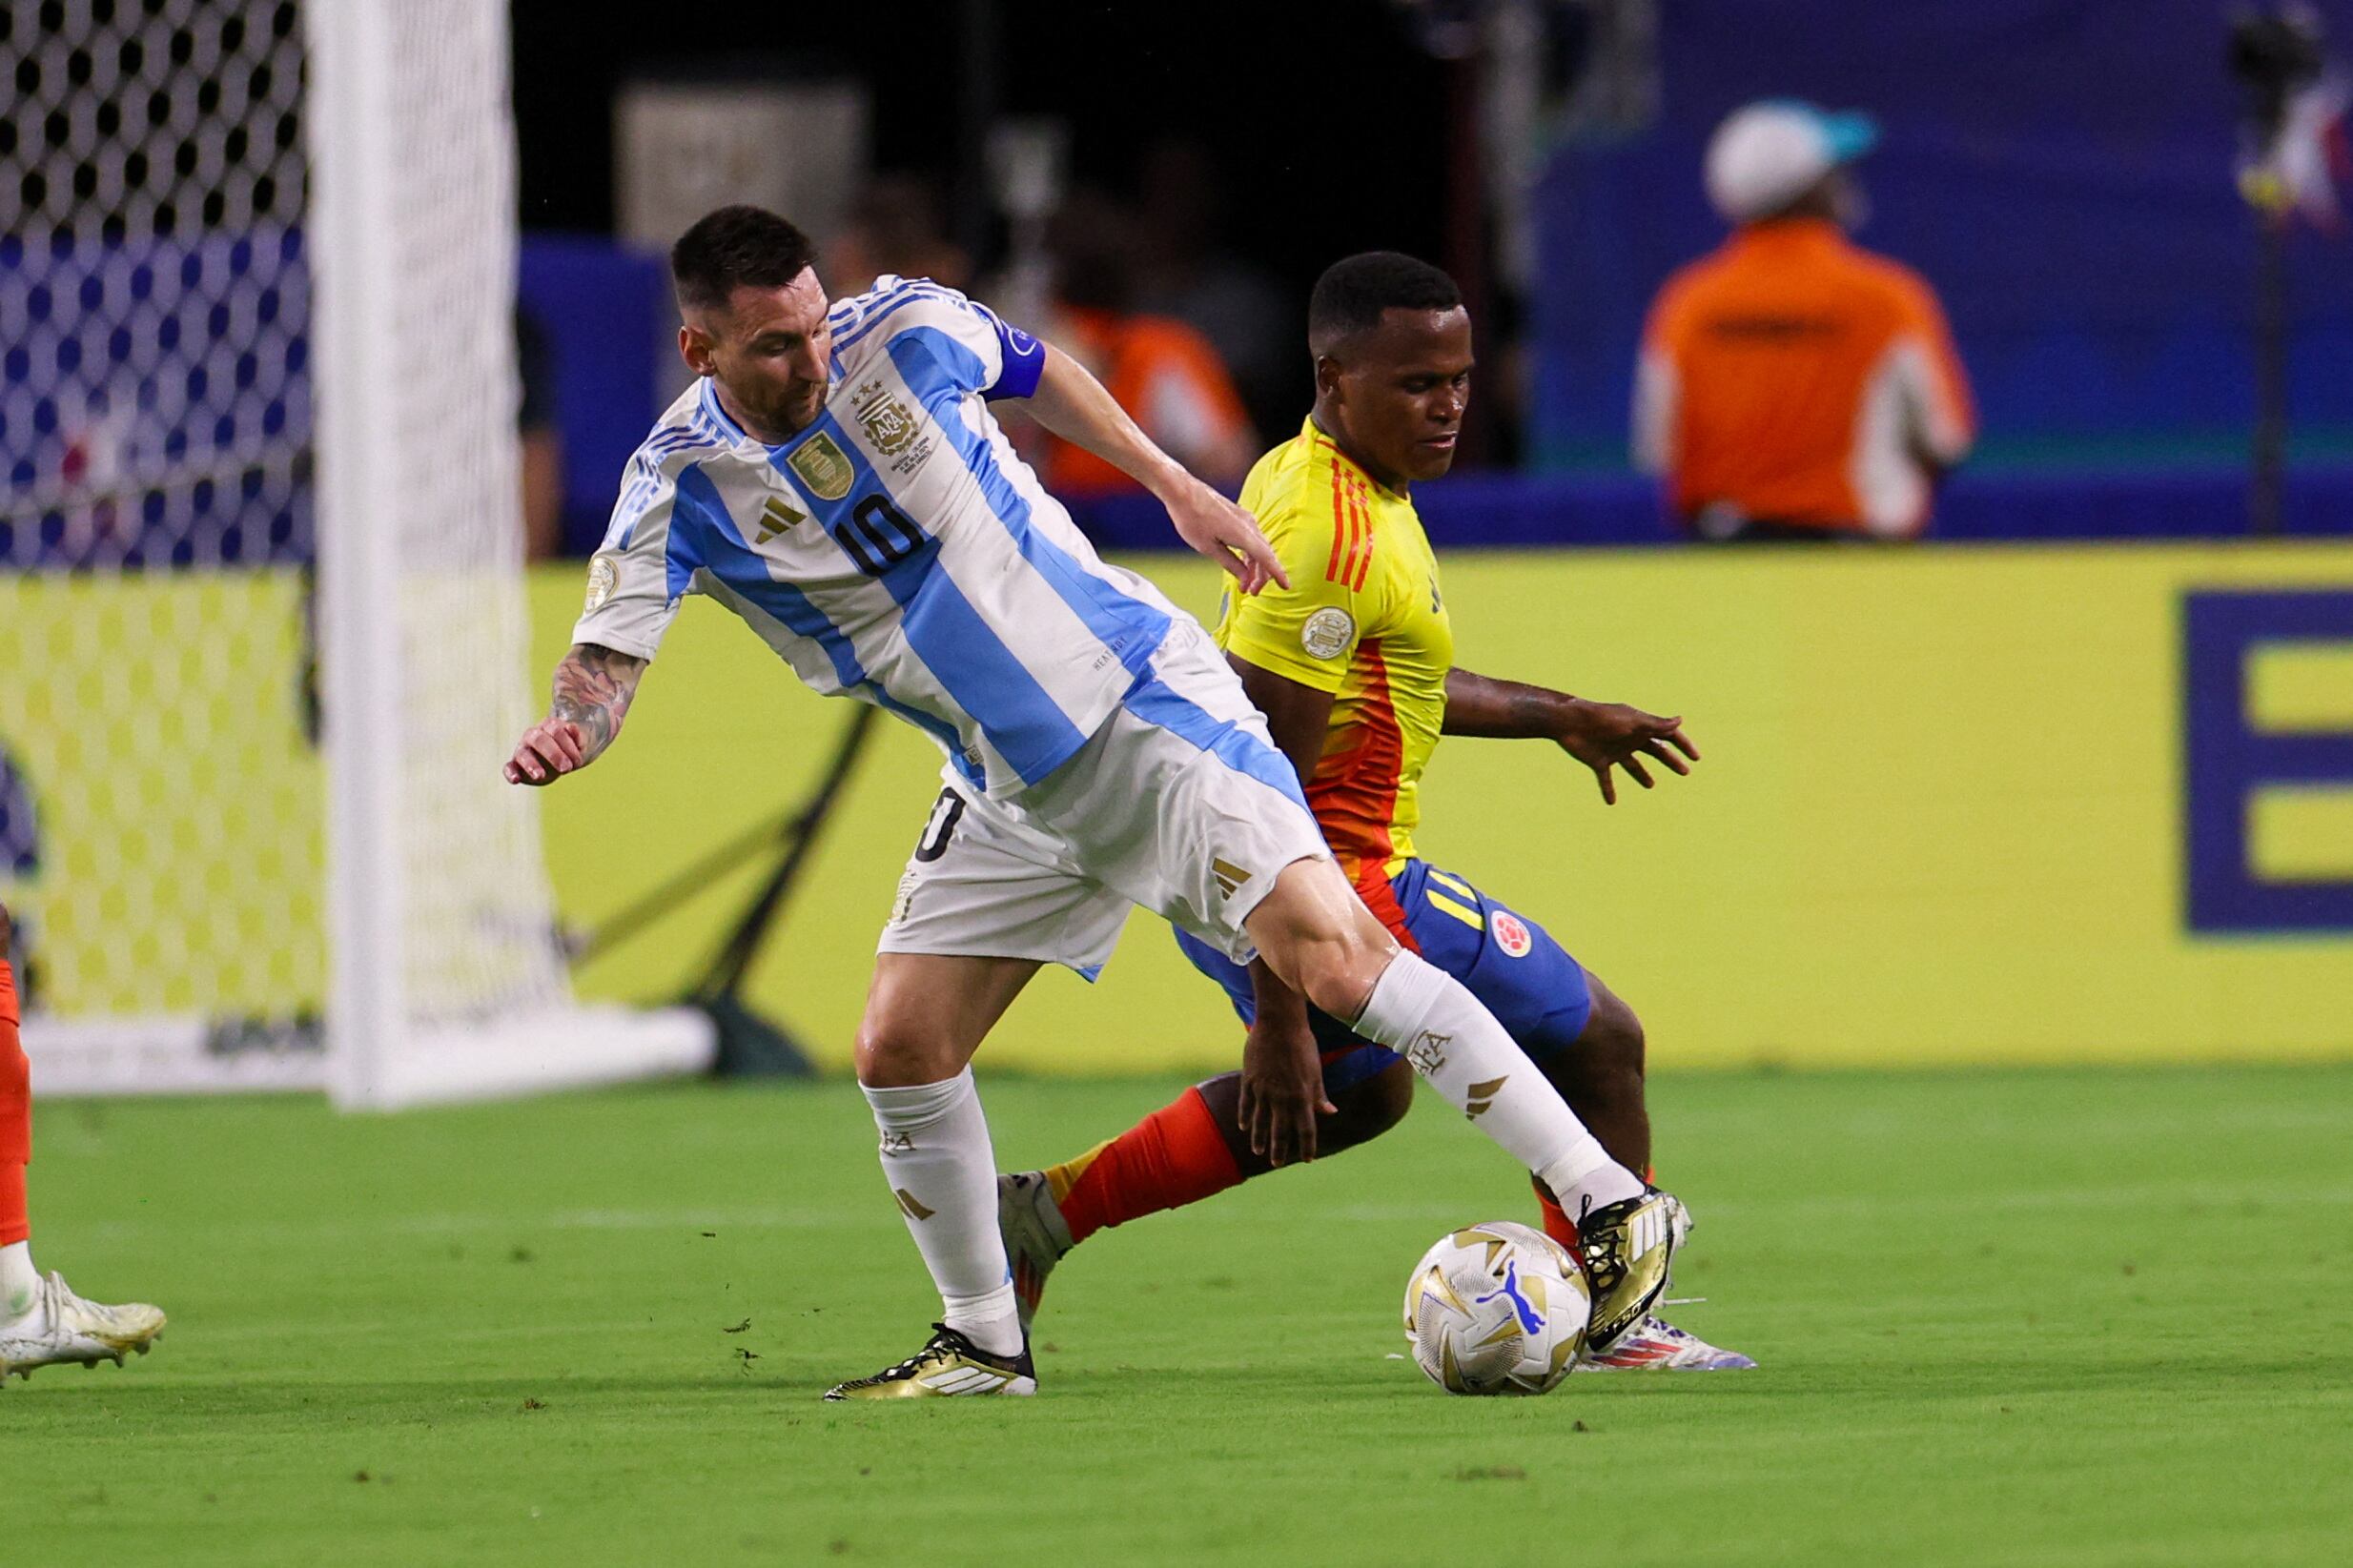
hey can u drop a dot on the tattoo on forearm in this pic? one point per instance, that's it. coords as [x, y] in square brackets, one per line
[594, 686]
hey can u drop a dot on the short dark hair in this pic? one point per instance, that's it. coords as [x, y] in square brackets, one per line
[732, 248]
[1354, 291]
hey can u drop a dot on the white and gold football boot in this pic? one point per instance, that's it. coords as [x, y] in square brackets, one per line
[60, 1328]
[950, 1366]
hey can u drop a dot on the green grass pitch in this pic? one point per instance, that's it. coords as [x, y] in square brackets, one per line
[2043, 1318]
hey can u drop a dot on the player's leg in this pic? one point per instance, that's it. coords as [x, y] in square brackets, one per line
[1319, 937]
[924, 1016]
[1192, 1150]
[1587, 1043]
[1600, 1072]
[1195, 1147]
[985, 900]
[1371, 1090]
[1585, 1039]
[1189, 1150]
[1576, 1032]
[1602, 1077]
[1235, 856]
[42, 1321]
[19, 1281]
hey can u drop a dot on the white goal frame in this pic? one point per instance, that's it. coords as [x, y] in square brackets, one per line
[379, 1055]
[445, 977]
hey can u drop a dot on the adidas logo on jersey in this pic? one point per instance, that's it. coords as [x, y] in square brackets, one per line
[775, 517]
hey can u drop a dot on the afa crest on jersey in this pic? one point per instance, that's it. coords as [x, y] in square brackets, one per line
[887, 422]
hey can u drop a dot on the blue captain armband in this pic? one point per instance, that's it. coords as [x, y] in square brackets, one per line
[1025, 362]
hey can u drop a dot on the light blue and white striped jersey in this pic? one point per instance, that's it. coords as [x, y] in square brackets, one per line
[897, 550]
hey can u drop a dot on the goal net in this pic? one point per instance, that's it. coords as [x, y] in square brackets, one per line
[262, 634]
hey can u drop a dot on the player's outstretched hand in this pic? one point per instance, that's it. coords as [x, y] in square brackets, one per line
[547, 751]
[1611, 735]
[1229, 536]
[1282, 1092]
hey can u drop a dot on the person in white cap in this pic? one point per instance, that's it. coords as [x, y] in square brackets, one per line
[1794, 385]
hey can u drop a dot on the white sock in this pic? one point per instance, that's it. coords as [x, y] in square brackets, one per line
[1435, 1022]
[20, 1282]
[936, 1156]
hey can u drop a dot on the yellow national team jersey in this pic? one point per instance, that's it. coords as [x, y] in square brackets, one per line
[1363, 619]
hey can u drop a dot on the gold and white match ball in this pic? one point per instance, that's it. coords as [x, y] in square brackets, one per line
[1496, 1309]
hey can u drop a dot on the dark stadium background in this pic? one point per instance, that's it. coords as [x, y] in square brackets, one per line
[2061, 170]
[1330, 123]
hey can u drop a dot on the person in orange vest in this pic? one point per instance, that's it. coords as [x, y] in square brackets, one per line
[1794, 385]
[1166, 375]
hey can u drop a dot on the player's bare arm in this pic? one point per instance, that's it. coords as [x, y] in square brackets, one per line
[1604, 736]
[1072, 404]
[1283, 1070]
[594, 686]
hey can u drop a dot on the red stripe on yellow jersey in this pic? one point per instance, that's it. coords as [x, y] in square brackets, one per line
[1370, 627]
[1353, 791]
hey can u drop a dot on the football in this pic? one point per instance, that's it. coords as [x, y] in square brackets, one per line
[1496, 1309]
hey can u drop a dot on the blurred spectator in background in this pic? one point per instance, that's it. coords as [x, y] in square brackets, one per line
[537, 423]
[1163, 372]
[1187, 272]
[897, 227]
[1792, 386]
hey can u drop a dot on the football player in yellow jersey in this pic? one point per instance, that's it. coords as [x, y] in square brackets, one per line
[1353, 666]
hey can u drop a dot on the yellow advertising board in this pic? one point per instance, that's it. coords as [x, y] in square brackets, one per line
[1958, 805]
[1945, 812]
[162, 808]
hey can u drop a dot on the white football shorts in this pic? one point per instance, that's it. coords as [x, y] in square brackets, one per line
[1180, 803]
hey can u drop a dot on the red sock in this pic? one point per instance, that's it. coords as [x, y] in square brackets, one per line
[15, 1223]
[1556, 1221]
[16, 1117]
[1172, 1157]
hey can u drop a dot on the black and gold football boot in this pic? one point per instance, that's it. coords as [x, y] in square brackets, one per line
[950, 1366]
[1626, 1248]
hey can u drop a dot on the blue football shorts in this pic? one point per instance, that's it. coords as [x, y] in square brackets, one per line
[1536, 990]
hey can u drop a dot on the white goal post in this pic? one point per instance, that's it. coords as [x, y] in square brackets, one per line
[262, 262]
